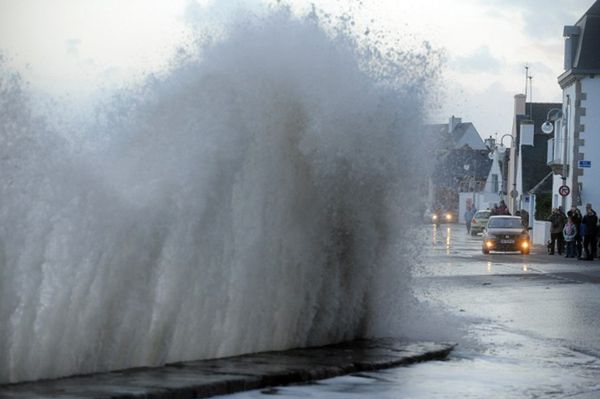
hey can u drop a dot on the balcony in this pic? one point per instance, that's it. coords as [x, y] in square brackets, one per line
[554, 160]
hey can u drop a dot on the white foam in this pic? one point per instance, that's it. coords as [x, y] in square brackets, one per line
[254, 199]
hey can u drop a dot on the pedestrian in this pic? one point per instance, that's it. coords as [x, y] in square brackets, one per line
[569, 233]
[557, 224]
[589, 224]
[469, 213]
[524, 218]
[502, 209]
[575, 214]
[589, 206]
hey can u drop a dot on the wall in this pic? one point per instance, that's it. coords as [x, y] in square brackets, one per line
[591, 136]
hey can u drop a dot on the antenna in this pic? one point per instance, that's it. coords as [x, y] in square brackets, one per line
[526, 78]
[530, 96]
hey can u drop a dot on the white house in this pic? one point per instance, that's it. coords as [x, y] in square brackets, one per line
[574, 154]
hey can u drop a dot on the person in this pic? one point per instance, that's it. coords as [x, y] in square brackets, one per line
[589, 225]
[469, 213]
[524, 218]
[557, 224]
[502, 209]
[589, 206]
[494, 210]
[569, 232]
[575, 214]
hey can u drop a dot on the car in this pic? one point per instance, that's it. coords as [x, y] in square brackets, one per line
[438, 216]
[479, 221]
[505, 233]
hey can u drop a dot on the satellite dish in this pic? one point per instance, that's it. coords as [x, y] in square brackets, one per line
[547, 127]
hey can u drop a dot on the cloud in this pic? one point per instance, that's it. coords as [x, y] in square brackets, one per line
[541, 18]
[481, 60]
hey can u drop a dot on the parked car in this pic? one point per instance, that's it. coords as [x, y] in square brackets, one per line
[505, 233]
[479, 221]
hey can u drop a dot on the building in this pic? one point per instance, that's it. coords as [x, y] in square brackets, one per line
[575, 155]
[462, 162]
[528, 171]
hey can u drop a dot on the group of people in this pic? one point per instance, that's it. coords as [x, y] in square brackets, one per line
[497, 209]
[574, 233]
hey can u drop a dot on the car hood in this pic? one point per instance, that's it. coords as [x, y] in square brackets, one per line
[498, 232]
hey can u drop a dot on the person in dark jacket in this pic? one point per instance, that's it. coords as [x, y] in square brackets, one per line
[502, 209]
[576, 216]
[590, 227]
[557, 224]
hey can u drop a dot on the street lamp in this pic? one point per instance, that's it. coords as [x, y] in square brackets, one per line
[513, 193]
[554, 115]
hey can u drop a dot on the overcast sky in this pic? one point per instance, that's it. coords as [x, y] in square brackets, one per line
[67, 47]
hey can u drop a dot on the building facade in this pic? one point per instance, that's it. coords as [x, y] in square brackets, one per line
[575, 155]
[528, 172]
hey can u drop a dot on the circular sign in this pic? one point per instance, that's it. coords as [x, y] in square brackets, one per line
[564, 190]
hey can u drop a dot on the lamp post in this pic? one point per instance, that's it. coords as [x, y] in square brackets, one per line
[554, 115]
[513, 193]
[470, 180]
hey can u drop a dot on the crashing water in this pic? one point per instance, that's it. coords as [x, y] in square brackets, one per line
[253, 198]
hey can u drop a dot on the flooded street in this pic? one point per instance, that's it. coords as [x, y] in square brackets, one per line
[532, 328]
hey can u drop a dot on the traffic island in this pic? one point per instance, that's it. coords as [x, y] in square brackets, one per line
[205, 378]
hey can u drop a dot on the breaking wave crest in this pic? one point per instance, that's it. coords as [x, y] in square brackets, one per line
[255, 197]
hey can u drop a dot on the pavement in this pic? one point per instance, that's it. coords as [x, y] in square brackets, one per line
[205, 378]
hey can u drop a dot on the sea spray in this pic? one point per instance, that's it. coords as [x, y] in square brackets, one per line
[257, 197]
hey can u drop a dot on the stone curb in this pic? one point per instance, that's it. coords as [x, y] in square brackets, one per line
[205, 378]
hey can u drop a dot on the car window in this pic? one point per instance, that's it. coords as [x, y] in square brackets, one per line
[482, 214]
[505, 223]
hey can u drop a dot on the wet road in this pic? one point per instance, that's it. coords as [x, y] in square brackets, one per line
[528, 327]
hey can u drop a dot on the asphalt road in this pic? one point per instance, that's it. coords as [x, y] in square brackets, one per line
[528, 326]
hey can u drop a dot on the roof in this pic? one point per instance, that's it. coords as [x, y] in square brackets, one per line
[593, 10]
[438, 137]
[586, 54]
[450, 170]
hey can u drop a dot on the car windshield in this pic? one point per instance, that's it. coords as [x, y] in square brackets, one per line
[506, 223]
[483, 214]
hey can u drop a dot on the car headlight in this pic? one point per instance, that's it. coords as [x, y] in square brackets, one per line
[434, 217]
[448, 216]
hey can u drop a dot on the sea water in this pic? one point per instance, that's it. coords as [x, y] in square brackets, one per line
[255, 196]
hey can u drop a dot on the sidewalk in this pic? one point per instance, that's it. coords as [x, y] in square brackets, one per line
[205, 378]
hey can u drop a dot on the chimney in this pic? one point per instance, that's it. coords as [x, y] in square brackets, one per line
[520, 100]
[453, 122]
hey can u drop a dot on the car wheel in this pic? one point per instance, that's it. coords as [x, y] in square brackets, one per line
[526, 252]
[485, 251]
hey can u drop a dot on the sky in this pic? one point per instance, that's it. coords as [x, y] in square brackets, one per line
[70, 48]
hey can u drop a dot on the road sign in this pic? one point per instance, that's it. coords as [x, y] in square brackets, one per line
[564, 190]
[584, 164]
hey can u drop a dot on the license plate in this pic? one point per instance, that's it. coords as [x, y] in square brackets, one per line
[507, 241]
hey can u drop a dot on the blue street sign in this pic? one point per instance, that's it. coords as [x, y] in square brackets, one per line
[585, 164]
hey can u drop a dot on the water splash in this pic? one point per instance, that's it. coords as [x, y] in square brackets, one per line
[252, 199]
